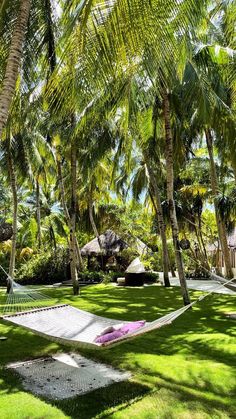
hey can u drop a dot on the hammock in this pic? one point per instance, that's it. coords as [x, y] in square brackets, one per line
[69, 325]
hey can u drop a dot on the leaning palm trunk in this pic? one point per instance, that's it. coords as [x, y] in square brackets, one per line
[13, 62]
[201, 240]
[12, 176]
[160, 221]
[38, 214]
[170, 197]
[94, 227]
[220, 223]
[73, 267]
[65, 208]
[172, 269]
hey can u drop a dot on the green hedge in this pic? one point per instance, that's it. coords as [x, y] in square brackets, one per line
[91, 276]
[49, 268]
[45, 268]
[151, 277]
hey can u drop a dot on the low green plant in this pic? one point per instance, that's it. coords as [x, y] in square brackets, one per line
[151, 261]
[115, 275]
[45, 268]
[151, 277]
[185, 370]
[126, 257]
[91, 276]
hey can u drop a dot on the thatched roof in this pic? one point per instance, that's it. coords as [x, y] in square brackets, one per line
[5, 231]
[141, 247]
[111, 244]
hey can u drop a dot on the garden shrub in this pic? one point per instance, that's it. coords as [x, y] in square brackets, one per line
[52, 267]
[151, 262]
[45, 268]
[151, 277]
[126, 257]
[91, 276]
[114, 275]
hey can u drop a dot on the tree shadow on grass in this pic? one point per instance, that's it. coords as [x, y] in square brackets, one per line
[201, 333]
[22, 344]
[116, 396]
[84, 406]
[206, 395]
[204, 320]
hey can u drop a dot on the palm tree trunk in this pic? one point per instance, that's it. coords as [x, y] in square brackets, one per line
[65, 208]
[170, 197]
[38, 213]
[13, 62]
[73, 267]
[94, 227]
[53, 238]
[202, 242]
[160, 221]
[201, 249]
[91, 218]
[172, 269]
[215, 190]
[12, 176]
[218, 260]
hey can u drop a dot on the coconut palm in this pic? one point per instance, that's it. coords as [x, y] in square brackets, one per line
[210, 104]
[13, 61]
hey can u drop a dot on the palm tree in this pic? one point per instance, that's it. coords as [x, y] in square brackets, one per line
[13, 183]
[73, 208]
[13, 62]
[209, 109]
[215, 190]
[170, 196]
[160, 218]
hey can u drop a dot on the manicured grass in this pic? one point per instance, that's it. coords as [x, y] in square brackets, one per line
[185, 371]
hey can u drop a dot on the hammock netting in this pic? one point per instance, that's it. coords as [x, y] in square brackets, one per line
[24, 299]
[29, 308]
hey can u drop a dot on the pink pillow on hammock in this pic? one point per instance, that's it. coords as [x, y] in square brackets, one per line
[109, 336]
[131, 327]
[127, 328]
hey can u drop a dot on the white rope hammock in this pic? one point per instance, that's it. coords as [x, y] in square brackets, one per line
[67, 324]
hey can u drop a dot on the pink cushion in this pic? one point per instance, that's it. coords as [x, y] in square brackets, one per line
[127, 328]
[109, 336]
[132, 326]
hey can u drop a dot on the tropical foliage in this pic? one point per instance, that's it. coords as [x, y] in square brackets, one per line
[118, 115]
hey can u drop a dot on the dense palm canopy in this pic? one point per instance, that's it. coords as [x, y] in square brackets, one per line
[116, 108]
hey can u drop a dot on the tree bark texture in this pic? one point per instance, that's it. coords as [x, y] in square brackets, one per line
[215, 190]
[12, 176]
[65, 208]
[38, 214]
[170, 197]
[73, 267]
[160, 221]
[13, 62]
[94, 227]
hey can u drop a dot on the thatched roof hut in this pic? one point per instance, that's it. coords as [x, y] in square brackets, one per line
[111, 245]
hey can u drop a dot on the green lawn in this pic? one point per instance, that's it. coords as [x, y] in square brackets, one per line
[186, 370]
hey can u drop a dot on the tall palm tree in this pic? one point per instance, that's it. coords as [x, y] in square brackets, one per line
[73, 210]
[160, 218]
[215, 190]
[170, 196]
[13, 183]
[13, 62]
